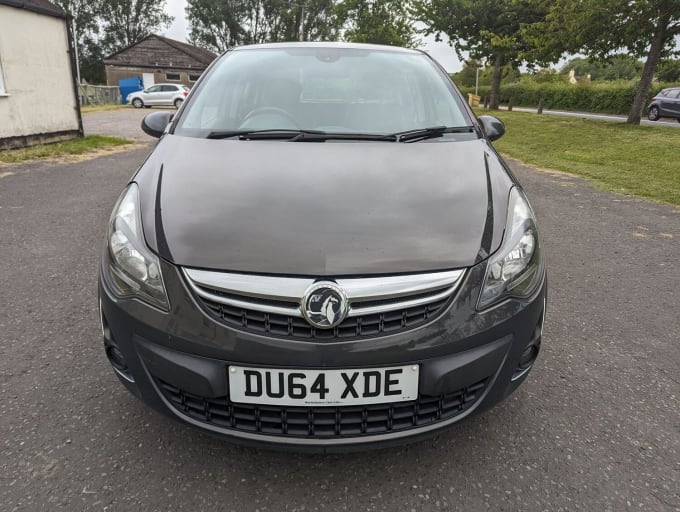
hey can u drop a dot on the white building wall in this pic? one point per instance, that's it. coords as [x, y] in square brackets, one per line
[36, 67]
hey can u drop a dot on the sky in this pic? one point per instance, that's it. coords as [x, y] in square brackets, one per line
[440, 51]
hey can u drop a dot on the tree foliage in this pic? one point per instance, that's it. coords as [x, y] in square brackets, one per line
[467, 76]
[124, 22]
[378, 22]
[669, 71]
[485, 29]
[104, 26]
[619, 67]
[85, 29]
[602, 28]
[216, 24]
[221, 24]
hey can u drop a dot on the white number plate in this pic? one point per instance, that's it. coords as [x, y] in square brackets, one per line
[323, 387]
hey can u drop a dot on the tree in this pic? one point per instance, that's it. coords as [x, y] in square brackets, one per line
[602, 28]
[221, 24]
[669, 71]
[378, 22]
[124, 22]
[216, 24]
[92, 61]
[486, 29]
[618, 67]
[467, 76]
[85, 27]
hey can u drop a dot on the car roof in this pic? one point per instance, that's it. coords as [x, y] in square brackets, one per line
[321, 44]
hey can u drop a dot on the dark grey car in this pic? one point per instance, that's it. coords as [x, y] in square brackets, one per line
[665, 104]
[323, 251]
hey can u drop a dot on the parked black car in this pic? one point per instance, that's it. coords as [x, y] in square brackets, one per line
[665, 104]
[324, 250]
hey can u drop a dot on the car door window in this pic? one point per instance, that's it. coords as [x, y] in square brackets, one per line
[169, 88]
[153, 88]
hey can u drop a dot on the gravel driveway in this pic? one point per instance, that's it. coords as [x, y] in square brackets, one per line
[125, 122]
[596, 426]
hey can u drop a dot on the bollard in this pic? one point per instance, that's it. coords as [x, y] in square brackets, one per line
[486, 102]
[541, 102]
[510, 105]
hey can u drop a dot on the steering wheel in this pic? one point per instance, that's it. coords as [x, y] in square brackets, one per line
[270, 110]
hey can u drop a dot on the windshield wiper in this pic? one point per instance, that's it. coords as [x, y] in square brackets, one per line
[311, 136]
[297, 135]
[431, 133]
[255, 134]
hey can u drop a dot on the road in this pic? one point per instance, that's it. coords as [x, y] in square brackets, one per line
[668, 122]
[595, 427]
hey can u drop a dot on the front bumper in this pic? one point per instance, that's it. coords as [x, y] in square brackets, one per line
[177, 362]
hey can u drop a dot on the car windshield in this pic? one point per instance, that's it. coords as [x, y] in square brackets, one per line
[327, 89]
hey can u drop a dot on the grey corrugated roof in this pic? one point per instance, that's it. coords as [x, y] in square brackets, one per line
[199, 54]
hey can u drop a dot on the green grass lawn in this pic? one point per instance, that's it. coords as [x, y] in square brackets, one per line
[640, 160]
[72, 147]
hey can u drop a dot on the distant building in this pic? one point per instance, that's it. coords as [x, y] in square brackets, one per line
[158, 59]
[38, 91]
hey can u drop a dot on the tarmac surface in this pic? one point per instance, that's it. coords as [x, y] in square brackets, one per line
[595, 427]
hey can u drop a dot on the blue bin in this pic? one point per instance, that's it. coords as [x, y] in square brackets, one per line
[128, 85]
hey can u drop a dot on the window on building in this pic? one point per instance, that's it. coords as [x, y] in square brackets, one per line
[193, 78]
[172, 76]
[2, 80]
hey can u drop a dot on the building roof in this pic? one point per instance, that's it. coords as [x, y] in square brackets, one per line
[39, 6]
[200, 56]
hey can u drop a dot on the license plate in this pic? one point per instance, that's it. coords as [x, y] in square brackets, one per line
[323, 387]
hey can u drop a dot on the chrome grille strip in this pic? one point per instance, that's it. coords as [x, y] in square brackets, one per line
[245, 304]
[380, 288]
[288, 289]
[429, 288]
[356, 309]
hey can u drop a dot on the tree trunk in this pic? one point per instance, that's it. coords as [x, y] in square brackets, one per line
[658, 42]
[494, 98]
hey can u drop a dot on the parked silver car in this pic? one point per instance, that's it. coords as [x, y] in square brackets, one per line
[159, 94]
[665, 104]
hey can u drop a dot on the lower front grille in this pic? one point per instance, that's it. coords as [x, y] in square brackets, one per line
[322, 422]
[351, 328]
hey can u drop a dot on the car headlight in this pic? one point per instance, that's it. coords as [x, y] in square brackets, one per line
[513, 270]
[133, 269]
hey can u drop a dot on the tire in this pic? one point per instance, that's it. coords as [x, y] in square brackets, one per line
[653, 114]
[137, 103]
[178, 102]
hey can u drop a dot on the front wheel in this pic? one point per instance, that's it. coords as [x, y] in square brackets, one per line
[178, 103]
[653, 113]
[137, 103]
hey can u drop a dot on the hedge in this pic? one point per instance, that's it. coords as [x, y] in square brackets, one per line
[606, 97]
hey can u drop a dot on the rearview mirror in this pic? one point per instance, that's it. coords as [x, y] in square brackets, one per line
[493, 127]
[154, 124]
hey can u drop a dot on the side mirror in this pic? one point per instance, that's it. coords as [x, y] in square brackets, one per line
[493, 127]
[154, 124]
